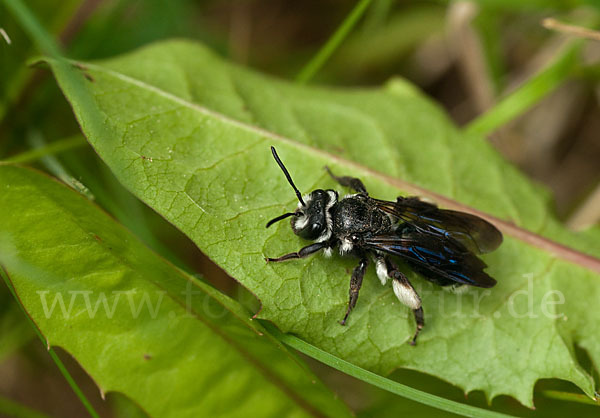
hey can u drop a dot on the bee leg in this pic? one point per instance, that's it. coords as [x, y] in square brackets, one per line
[420, 319]
[355, 284]
[381, 269]
[303, 252]
[407, 295]
[352, 182]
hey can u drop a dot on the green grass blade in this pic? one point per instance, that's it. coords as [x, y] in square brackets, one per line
[332, 44]
[31, 25]
[377, 15]
[88, 406]
[379, 381]
[53, 148]
[527, 95]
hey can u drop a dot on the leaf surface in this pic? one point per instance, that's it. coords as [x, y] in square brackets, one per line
[189, 134]
[136, 324]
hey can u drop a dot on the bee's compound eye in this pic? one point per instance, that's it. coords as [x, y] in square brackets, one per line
[354, 238]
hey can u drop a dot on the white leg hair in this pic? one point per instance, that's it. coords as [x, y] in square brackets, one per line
[346, 246]
[382, 271]
[406, 294]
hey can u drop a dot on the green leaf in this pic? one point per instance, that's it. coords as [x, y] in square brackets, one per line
[135, 323]
[189, 134]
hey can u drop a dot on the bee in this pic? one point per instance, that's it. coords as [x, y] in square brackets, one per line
[440, 244]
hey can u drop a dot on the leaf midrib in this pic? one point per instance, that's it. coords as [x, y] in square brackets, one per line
[561, 251]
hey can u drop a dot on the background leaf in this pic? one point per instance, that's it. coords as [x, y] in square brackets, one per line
[135, 323]
[14, 330]
[189, 133]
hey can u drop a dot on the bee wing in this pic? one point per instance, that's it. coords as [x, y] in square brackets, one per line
[446, 259]
[475, 233]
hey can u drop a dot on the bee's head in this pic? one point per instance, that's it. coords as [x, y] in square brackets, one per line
[311, 220]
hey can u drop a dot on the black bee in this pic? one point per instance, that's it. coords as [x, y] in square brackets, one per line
[437, 243]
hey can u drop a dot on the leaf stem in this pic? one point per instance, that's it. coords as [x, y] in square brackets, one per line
[315, 64]
[379, 381]
[528, 94]
[86, 403]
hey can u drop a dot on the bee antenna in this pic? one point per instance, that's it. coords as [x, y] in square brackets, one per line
[285, 215]
[287, 175]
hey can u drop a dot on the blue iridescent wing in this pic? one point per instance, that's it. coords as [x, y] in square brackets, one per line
[475, 233]
[444, 261]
